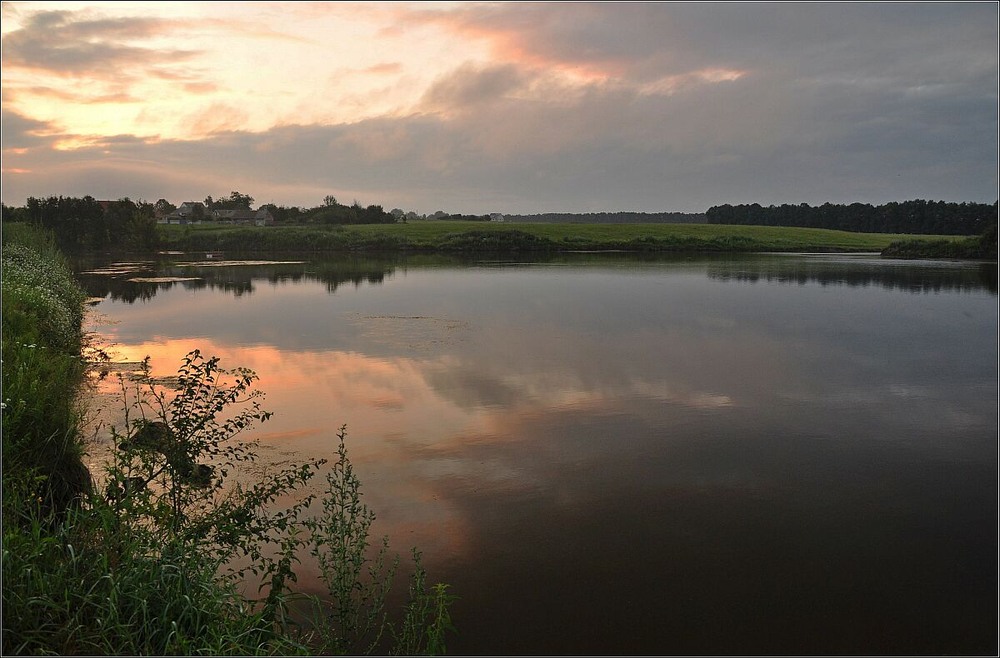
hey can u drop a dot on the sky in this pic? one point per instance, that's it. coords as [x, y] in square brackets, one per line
[516, 108]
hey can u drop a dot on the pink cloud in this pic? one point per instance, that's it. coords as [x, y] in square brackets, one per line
[216, 118]
[524, 36]
[69, 96]
[384, 68]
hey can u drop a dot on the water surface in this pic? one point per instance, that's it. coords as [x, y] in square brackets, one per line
[756, 454]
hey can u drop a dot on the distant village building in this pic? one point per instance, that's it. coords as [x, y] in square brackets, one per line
[496, 217]
[193, 212]
[238, 216]
[189, 212]
[263, 217]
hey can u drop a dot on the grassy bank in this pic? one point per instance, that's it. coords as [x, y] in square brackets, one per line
[42, 315]
[462, 237]
[142, 564]
[981, 247]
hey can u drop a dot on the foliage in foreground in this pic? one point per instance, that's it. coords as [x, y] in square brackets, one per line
[152, 561]
[144, 565]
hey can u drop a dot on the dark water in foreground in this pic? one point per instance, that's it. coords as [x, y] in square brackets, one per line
[753, 455]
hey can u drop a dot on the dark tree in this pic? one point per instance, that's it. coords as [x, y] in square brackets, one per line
[917, 216]
[164, 207]
[235, 201]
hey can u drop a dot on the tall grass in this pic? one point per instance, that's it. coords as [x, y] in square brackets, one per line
[66, 594]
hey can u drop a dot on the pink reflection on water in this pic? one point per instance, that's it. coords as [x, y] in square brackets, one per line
[387, 404]
[423, 429]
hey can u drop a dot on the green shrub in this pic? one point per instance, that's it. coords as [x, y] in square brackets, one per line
[354, 619]
[147, 564]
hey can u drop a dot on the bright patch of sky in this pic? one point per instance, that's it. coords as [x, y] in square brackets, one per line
[182, 70]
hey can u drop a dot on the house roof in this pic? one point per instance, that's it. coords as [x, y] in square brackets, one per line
[186, 208]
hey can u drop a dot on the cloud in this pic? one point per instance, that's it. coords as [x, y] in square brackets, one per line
[65, 44]
[81, 96]
[596, 42]
[470, 86]
[604, 152]
[21, 132]
[649, 41]
[582, 107]
[385, 68]
[216, 118]
[83, 58]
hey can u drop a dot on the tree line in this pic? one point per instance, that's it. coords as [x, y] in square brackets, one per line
[917, 216]
[86, 223]
[330, 212]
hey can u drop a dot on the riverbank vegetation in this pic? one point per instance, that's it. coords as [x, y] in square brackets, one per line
[154, 555]
[42, 314]
[983, 247]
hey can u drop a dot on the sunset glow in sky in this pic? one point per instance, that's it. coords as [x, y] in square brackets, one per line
[501, 107]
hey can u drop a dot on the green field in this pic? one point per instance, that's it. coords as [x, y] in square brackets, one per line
[499, 237]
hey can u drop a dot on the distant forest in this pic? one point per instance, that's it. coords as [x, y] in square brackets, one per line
[612, 218]
[918, 216]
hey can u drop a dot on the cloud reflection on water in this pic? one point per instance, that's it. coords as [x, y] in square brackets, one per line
[558, 436]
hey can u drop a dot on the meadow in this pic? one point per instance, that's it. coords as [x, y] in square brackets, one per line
[455, 236]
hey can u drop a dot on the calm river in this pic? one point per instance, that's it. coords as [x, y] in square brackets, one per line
[613, 455]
